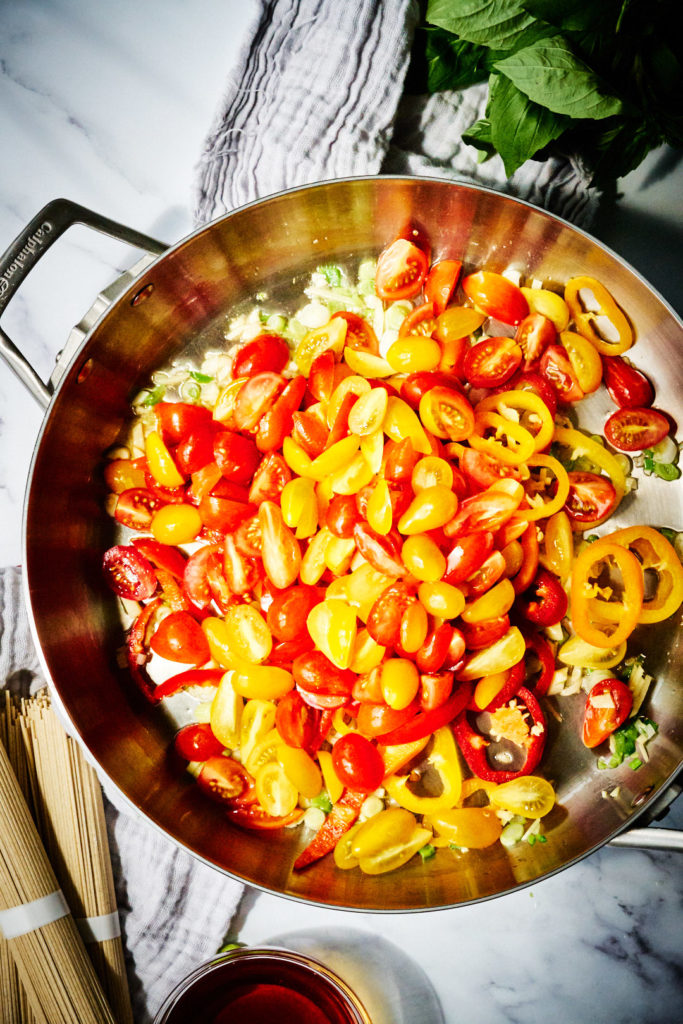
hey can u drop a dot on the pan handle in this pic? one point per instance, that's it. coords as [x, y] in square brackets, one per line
[650, 839]
[25, 251]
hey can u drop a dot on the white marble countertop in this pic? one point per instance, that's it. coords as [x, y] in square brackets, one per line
[108, 106]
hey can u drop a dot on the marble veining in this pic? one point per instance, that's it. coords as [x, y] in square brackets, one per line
[108, 106]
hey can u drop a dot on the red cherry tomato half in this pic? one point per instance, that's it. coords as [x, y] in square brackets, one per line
[287, 613]
[482, 512]
[384, 619]
[544, 602]
[163, 556]
[632, 430]
[278, 420]
[255, 819]
[400, 460]
[378, 719]
[558, 371]
[435, 689]
[468, 554]
[359, 334]
[479, 635]
[315, 673]
[226, 780]
[441, 282]
[342, 515]
[401, 269]
[432, 655]
[533, 336]
[494, 295]
[197, 743]
[270, 479]
[357, 763]
[296, 722]
[321, 377]
[195, 451]
[600, 722]
[135, 508]
[383, 553]
[628, 387]
[128, 573]
[591, 497]
[421, 320]
[178, 419]
[255, 397]
[418, 384]
[483, 470]
[490, 363]
[268, 352]
[309, 432]
[236, 456]
[179, 637]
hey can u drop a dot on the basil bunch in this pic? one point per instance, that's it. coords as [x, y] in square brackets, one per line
[602, 79]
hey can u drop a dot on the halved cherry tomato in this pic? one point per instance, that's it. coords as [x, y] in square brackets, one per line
[267, 352]
[315, 673]
[483, 470]
[255, 397]
[236, 456]
[401, 269]
[383, 553]
[435, 689]
[163, 556]
[179, 419]
[591, 497]
[278, 420]
[197, 742]
[496, 296]
[608, 705]
[255, 819]
[310, 432]
[342, 515]
[321, 376]
[421, 320]
[492, 362]
[168, 495]
[359, 334]
[632, 430]
[545, 602]
[479, 635]
[226, 780]
[386, 614]
[629, 388]
[468, 554]
[128, 573]
[270, 479]
[196, 450]
[378, 719]
[557, 369]
[296, 721]
[135, 508]
[418, 384]
[447, 413]
[357, 762]
[223, 510]
[441, 282]
[400, 460]
[287, 614]
[533, 336]
[179, 637]
[195, 576]
[433, 653]
[486, 511]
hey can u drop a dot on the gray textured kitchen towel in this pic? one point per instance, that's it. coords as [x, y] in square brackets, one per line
[317, 94]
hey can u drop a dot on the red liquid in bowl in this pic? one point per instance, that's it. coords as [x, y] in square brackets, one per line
[263, 987]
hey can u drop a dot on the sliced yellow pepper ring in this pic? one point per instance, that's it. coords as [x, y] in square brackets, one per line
[548, 508]
[443, 759]
[584, 319]
[529, 402]
[589, 616]
[654, 552]
[475, 785]
[581, 445]
[519, 446]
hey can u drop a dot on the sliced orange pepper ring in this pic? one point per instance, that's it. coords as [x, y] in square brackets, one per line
[592, 614]
[654, 552]
[607, 307]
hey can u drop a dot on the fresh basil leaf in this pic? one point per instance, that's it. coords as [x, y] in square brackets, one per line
[454, 63]
[612, 148]
[498, 24]
[577, 16]
[549, 74]
[479, 136]
[519, 127]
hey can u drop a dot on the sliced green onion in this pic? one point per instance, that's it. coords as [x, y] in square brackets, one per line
[512, 833]
[427, 851]
[322, 800]
[332, 274]
[201, 378]
[635, 763]
[668, 533]
[666, 471]
[155, 395]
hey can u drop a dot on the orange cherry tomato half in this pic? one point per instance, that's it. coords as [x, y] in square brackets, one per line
[608, 705]
[632, 430]
[135, 508]
[494, 295]
[421, 320]
[591, 497]
[492, 362]
[359, 334]
[441, 282]
[446, 413]
[178, 419]
[533, 336]
[401, 269]
[179, 637]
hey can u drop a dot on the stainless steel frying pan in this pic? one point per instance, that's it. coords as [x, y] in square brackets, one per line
[179, 301]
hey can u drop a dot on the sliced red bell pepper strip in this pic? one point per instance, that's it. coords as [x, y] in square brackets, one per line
[529, 543]
[538, 644]
[544, 602]
[510, 689]
[338, 821]
[192, 677]
[340, 427]
[137, 651]
[473, 745]
[427, 722]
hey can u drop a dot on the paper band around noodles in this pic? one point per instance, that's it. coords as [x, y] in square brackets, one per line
[30, 916]
[100, 928]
